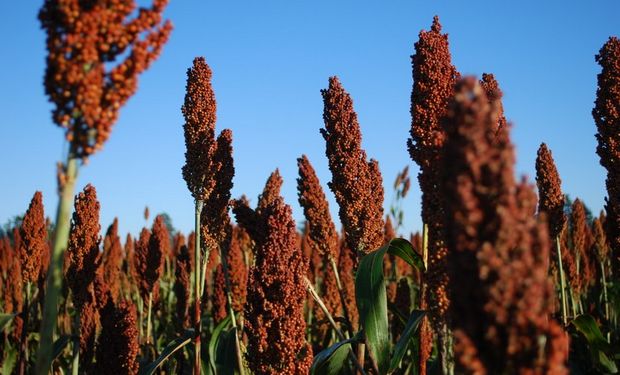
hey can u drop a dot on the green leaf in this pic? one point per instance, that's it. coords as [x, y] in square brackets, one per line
[222, 349]
[169, 350]
[10, 359]
[403, 342]
[599, 347]
[372, 306]
[403, 248]
[59, 345]
[5, 319]
[333, 360]
[371, 297]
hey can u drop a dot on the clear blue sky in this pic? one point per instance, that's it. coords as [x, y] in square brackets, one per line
[271, 58]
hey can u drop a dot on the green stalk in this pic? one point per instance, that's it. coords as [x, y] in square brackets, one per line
[148, 319]
[605, 298]
[197, 288]
[140, 319]
[562, 281]
[54, 278]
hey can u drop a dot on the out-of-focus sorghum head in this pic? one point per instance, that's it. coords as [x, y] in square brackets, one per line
[112, 259]
[434, 78]
[118, 349]
[606, 115]
[491, 88]
[83, 247]
[95, 55]
[276, 290]
[311, 197]
[550, 197]
[501, 295]
[356, 182]
[581, 239]
[33, 233]
[141, 263]
[600, 240]
[150, 250]
[347, 264]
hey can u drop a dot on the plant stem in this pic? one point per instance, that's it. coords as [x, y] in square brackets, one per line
[605, 298]
[341, 292]
[331, 320]
[231, 312]
[562, 281]
[23, 356]
[148, 319]
[197, 287]
[54, 278]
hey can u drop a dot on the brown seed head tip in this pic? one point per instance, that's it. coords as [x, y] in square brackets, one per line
[551, 199]
[356, 182]
[316, 209]
[83, 245]
[271, 191]
[88, 91]
[33, 233]
[436, 26]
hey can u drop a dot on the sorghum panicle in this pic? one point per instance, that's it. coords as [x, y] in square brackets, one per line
[606, 115]
[434, 78]
[550, 197]
[356, 182]
[118, 349]
[501, 294]
[33, 233]
[83, 39]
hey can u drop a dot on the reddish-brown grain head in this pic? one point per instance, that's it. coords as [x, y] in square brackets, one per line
[501, 294]
[95, 53]
[33, 234]
[112, 259]
[312, 199]
[606, 115]
[83, 247]
[118, 349]
[276, 292]
[434, 78]
[550, 197]
[356, 182]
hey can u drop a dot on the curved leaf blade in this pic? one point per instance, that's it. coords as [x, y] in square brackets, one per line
[333, 360]
[403, 342]
[404, 249]
[169, 350]
[5, 319]
[599, 347]
[213, 342]
[371, 301]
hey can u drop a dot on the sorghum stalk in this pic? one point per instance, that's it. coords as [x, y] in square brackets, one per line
[148, 319]
[88, 95]
[231, 312]
[562, 281]
[331, 320]
[197, 287]
[54, 274]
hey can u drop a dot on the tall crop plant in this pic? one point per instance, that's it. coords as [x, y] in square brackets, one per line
[95, 55]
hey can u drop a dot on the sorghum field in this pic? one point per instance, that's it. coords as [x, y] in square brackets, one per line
[506, 275]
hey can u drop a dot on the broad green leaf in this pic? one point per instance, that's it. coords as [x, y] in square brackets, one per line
[599, 347]
[403, 248]
[169, 350]
[372, 306]
[371, 297]
[10, 359]
[222, 349]
[403, 342]
[333, 360]
[5, 319]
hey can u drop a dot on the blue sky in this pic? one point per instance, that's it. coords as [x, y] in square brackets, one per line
[270, 59]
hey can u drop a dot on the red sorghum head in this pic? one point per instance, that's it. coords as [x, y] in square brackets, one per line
[33, 233]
